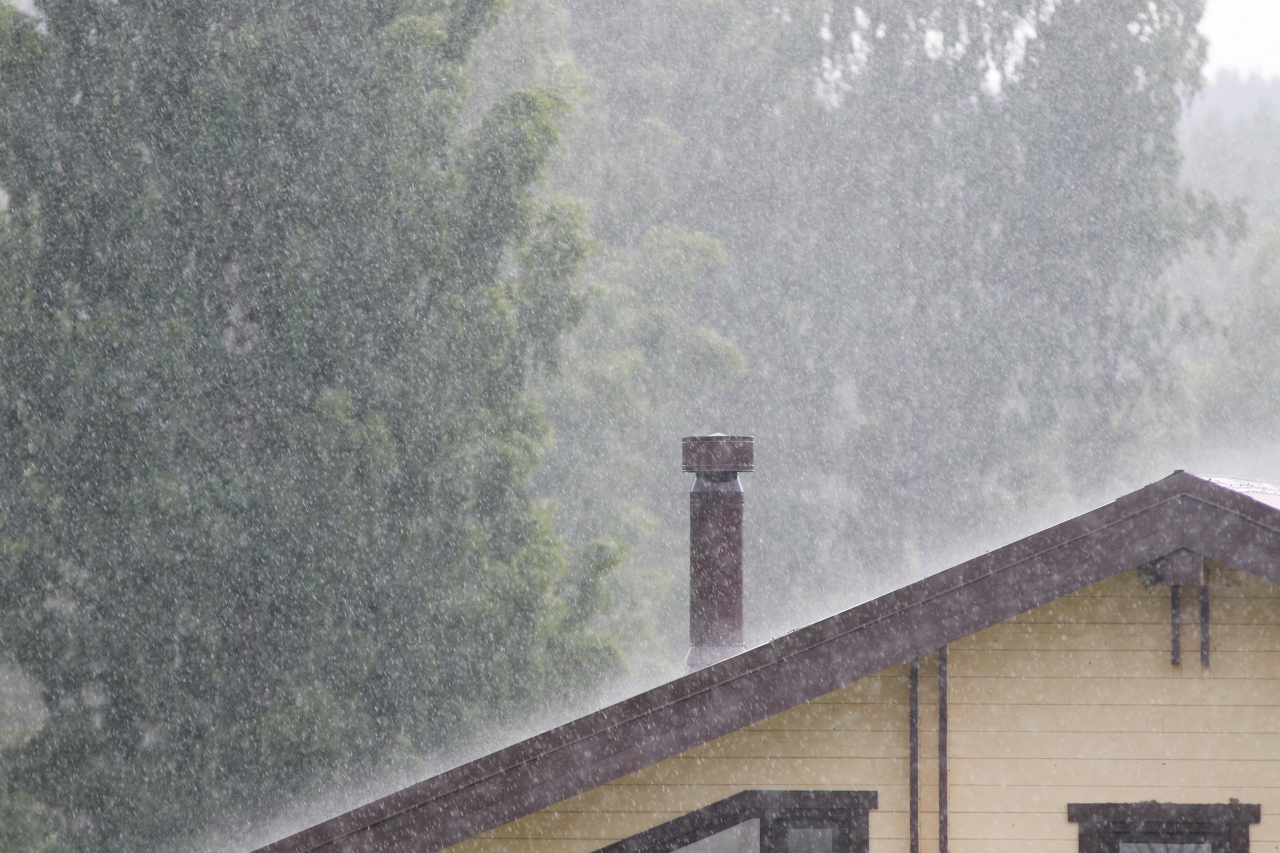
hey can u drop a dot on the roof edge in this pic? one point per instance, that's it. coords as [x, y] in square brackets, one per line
[1179, 511]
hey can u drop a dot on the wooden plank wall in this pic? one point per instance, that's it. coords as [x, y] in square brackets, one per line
[1076, 701]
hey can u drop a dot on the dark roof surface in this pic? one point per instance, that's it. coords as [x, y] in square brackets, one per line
[1180, 511]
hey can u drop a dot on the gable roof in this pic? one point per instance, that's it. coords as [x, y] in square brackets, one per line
[1181, 511]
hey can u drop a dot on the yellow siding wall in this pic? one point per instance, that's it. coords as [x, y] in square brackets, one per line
[1076, 701]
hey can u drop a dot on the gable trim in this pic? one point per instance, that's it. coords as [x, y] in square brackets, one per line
[1180, 511]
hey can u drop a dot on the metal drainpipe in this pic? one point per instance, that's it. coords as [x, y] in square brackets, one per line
[715, 545]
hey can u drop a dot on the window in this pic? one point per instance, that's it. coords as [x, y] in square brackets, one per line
[1163, 827]
[764, 822]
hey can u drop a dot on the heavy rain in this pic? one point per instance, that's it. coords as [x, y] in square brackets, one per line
[346, 347]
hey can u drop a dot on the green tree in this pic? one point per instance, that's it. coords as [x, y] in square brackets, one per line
[630, 378]
[269, 317]
[945, 226]
[1238, 382]
[1235, 371]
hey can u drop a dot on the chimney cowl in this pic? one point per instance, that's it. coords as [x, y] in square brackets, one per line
[719, 452]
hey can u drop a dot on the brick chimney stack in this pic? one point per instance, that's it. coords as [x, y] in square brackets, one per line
[715, 545]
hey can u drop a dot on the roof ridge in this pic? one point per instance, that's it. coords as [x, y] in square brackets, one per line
[445, 800]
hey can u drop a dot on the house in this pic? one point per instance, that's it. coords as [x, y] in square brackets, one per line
[1108, 684]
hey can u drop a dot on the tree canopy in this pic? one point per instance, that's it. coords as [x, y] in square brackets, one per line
[946, 225]
[269, 311]
[346, 346]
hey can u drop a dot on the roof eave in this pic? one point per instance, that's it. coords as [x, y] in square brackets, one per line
[1180, 511]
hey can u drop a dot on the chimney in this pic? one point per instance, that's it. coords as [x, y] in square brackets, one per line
[715, 545]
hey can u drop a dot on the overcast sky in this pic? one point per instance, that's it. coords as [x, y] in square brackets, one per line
[1244, 36]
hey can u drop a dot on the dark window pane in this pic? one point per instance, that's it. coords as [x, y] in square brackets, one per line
[1165, 847]
[808, 839]
[742, 838]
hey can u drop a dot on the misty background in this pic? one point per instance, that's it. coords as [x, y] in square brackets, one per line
[347, 348]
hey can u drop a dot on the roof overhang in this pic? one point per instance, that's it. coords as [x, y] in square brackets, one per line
[1179, 512]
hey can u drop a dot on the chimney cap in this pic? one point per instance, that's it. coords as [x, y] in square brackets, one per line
[719, 452]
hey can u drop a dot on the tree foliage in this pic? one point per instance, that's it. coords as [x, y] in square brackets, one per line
[288, 329]
[1235, 371]
[631, 376]
[945, 225]
[269, 316]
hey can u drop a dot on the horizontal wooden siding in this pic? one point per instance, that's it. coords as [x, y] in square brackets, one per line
[1076, 701]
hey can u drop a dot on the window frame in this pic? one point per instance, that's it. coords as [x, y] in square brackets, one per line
[1103, 826]
[846, 810]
